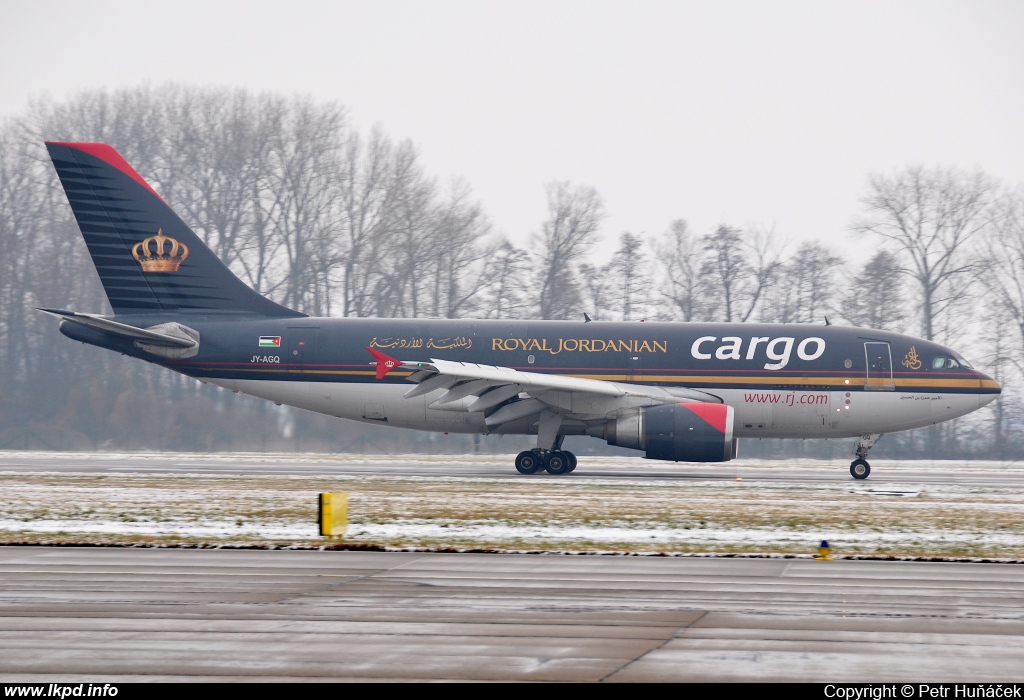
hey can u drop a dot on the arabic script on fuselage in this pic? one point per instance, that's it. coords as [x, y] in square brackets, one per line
[457, 343]
[911, 360]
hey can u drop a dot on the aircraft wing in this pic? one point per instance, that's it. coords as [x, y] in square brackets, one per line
[517, 394]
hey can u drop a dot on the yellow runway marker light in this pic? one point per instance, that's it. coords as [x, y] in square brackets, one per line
[333, 514]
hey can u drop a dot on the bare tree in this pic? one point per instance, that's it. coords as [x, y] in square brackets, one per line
[507, 272]
[459, 259]
[375, 177]
[628, 276]
[739, 269]
[304, 166]
[875, 297]
[22, 248]
[803, 290]
[403, 262]
[597, 292]
[260, 246]
[222, 141]
[1003, 362]
[930, 216]
[1003, 268]
[574, 214]
[679, 256]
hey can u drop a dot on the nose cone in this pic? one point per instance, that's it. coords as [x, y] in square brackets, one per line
[990, 389]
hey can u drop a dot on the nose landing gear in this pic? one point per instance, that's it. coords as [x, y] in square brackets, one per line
[859, 468]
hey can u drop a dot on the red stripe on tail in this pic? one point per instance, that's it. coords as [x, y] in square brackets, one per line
[109, 156]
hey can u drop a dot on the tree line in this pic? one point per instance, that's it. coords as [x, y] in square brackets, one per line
[336, 221]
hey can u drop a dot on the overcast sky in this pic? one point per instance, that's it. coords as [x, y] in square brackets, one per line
[766, 113]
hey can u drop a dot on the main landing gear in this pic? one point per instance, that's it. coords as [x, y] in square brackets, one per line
[548, 454]
[551, 461]
[859, 468]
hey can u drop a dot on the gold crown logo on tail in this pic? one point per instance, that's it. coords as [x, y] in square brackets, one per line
[160, 253]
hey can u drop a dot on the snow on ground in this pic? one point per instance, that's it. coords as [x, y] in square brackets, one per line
[487, 532]
[915, 516]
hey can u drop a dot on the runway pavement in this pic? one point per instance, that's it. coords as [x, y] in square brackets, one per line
[128, 614]
[501, 467]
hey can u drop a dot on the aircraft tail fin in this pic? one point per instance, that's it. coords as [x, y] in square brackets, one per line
[148, 259]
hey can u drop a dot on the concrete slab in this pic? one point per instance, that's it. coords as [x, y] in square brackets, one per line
[109, 614]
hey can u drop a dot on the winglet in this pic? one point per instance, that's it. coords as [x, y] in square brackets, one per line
[384, 363]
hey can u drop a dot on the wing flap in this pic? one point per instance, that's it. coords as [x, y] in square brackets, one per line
[474, 387]
[431, 383]
[514, 411]
[493, 397]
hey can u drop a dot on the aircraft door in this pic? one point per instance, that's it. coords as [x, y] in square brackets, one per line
[879, 367]
[301, 347]
[299, 353]
[635, 368]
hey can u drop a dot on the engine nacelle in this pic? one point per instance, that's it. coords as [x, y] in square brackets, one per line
[680, 432]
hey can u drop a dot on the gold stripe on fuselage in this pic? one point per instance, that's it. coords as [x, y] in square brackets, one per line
[834, 383]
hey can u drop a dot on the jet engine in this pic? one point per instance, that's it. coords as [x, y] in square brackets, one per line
[680, 432]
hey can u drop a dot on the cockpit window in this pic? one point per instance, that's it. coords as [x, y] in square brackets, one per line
[963, 362]
[938, 363]
[946, 363]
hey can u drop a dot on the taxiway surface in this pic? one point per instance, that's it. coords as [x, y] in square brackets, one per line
[135, 614]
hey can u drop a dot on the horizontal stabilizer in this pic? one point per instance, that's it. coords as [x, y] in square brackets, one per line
[148, 337]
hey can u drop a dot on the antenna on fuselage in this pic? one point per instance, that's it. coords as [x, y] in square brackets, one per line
[827, 322]
[586, 318]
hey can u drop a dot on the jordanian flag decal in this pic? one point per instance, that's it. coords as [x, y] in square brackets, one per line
[270, 341]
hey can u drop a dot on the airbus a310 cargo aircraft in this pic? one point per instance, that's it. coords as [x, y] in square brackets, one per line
[676, 391]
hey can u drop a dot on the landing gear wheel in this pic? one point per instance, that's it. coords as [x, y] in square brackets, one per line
[572, 462]
[557, 463]
[527, 462]
[859, 469]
